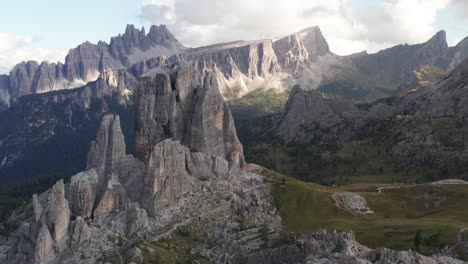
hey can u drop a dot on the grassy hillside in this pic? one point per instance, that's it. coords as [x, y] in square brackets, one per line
[438, 211]
[338, 163]
[258, 103]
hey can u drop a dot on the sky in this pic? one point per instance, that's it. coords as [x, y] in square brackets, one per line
[46, 30]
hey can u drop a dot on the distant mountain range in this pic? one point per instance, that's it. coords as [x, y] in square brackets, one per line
[302, 58]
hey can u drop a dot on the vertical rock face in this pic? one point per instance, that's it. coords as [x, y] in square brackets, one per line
[212, 128]
[167, 177]
[58, 212]
[80, 232]
[170, 105]
[172, 170]
[106, 155]
[50, 222]
[82, 193]
[107, 150]
[307, 110]
[44, 244]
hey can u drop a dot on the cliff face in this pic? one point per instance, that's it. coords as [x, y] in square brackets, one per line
[86, 62]
[307, 113]
[170, 105]
[277, 64]
[447, 98]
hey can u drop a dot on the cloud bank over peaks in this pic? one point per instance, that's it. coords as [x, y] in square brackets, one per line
[14, 49]
[348, 26]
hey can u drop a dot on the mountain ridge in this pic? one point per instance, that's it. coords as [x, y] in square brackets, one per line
[302, 58]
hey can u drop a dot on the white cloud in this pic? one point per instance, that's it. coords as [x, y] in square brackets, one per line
[14, 49]
[346, 28]
[461, 6]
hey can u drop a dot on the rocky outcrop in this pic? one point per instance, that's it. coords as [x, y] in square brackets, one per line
[170, 105]
[172, 170]
[167, 177]
[114, 168]
[308, 111]
[48, 231]
[353, 202]
[57, 212]
[107, 151]
[44, 244]
[80, 232]
[334, 247]
[82, 193]
[136, 219]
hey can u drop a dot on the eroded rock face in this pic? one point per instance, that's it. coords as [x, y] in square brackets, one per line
[137, 219]
[82, 193]
[306, 111]
[48, 231]
[44, 244]
[170, 105]
[108, 148]
[167, 177]
[80, 232]
[57, 212]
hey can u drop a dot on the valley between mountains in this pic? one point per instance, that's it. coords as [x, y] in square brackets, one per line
[144, 150]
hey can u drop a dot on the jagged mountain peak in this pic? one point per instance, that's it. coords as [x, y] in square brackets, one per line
[438, 40]
[314, 41]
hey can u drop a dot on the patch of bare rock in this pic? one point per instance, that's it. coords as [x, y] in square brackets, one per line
[353, 202]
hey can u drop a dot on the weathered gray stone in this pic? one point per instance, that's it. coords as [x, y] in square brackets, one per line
[44, 244]
[137, 219]
[306, 111]
[82, 193]
[80, 232]
[107, 203]
[107, 150]
[57, 212]
[169, 105]
[166, 178]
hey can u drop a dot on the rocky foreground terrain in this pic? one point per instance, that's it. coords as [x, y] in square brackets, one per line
[189, 171]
